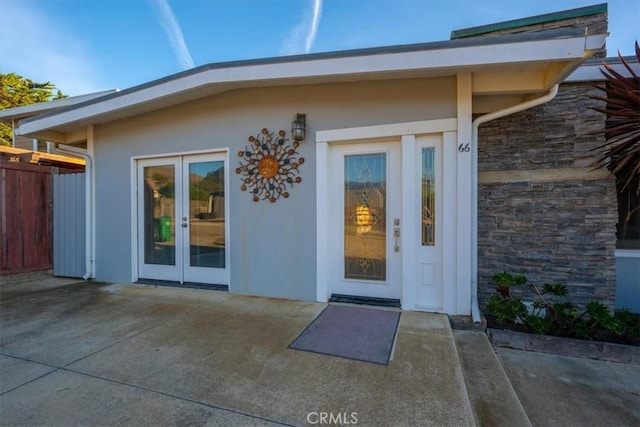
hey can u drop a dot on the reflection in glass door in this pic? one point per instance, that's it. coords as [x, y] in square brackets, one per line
[204, 219]
[182, 219]
[159, 242]
[159, 208]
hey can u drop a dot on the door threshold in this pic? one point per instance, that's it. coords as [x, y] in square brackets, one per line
[188, 285]
[355, 299]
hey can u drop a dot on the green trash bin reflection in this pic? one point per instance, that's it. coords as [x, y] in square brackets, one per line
[162, 229]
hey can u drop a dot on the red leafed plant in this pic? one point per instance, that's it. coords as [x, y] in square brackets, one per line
[621, 152]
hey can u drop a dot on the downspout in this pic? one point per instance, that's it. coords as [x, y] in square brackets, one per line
[13, 132]
[88, 215]
[553, 91]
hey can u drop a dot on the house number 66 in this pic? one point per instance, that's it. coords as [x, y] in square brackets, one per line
[464, 148]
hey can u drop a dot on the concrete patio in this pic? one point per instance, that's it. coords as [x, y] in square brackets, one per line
[108, 354]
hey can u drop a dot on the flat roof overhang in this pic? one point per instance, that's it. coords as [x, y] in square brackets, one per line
[513, 64]
[18, 113]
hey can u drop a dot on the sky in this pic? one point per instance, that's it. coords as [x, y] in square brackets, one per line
[84, 46]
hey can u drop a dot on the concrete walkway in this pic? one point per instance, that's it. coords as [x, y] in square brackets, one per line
[100, 354]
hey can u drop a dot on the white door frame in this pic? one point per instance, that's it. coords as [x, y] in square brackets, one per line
[172, 272]
[136, 231]
[453, 260]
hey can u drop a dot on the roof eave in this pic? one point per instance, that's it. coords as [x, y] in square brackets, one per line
[17, 113]
[591, 70]
[567, 50]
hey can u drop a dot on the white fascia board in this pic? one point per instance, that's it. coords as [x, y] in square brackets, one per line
[586, 73]
[595, 42]
[42, 107]
[453, 58]
[592, 72]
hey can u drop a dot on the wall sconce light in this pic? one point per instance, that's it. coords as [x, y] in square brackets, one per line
[298, 126]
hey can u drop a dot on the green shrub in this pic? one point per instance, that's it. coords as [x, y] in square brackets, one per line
[550, 313]
[629, 322]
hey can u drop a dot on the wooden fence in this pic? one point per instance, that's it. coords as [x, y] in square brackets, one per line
[26, 212]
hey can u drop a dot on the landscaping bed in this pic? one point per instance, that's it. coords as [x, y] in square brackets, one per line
[629, 336]
[550, 322]
[599, 350]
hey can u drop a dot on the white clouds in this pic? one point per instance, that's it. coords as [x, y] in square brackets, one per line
[171, 27]
[313, 30]
[38, 48]
[303, 35]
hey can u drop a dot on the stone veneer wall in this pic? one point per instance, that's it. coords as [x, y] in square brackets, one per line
[542, 211]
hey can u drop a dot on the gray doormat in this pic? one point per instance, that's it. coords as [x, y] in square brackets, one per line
[357, 333]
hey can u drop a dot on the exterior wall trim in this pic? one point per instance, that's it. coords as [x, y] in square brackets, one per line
[466, 245]
[408, 240]
[627, 253]
[382, 131]
[322, 220]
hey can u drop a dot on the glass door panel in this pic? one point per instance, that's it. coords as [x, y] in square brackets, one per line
[160, 240]
[204, 221]
[365, 216]
[206, 214]
[159, 215]
[428, 197]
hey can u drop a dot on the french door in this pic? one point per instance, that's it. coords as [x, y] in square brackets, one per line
[182, 225]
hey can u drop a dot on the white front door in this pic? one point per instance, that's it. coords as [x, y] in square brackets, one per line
[365, 220]
[182, 225]
[426, 188]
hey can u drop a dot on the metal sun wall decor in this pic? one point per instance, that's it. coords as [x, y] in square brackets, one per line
[269, 165]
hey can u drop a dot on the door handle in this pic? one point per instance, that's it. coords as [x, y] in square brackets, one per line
[396, 238]
[184, 222]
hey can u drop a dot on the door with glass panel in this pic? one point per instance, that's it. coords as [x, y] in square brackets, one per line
[182, 224]
[366, 205]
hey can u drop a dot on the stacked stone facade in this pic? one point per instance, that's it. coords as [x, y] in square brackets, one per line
[542, 210]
